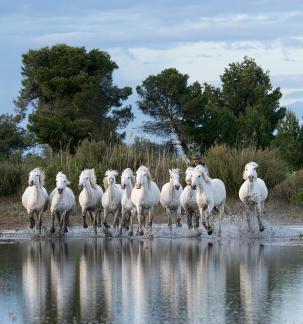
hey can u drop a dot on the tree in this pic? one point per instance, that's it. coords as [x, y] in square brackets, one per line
[248, 93]
[12, 137]
[244, 111]
[289, 139]
[72, 95]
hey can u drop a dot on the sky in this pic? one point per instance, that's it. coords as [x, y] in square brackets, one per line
[199, 38]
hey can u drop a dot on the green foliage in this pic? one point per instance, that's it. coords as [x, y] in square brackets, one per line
[72, 94]
[291, 189]
[243, 112]
[12, 137]
[228, 165]
[289, 140]
[11, 178]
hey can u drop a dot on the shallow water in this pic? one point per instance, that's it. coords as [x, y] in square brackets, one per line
[151, 281]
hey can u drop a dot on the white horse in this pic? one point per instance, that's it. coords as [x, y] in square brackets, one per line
[128, 207]
[188, 200]
[111, 199]
[253, 193]
[145, 196]
[210, 193]
[35, 197]
[170, 197]
[62, 202]
[90, 197]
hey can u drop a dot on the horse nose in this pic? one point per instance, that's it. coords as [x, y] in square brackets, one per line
[251, 177]
[123, 186]
[60, 190]
[31, 183]
[80, 187]
[138, 185]
[177, 187]
[194, 187]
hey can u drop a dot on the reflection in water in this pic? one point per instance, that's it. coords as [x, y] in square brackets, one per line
[174, 280]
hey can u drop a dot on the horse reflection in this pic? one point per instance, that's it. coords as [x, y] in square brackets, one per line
[63, 276]
[35, 276]
[253, 280]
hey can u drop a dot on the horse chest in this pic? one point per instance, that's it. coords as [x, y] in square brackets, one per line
[202, 199]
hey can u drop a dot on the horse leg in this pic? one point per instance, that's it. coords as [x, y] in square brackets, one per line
[105, 218]
[170, 223]
[179, 217]
[202, 217]
[131, 231]
[123, 221]
[53, 215]
[31, 220]
[66, 221]
[116, 218]
[84, 219]
[93, 215]
[196, 220]
[40, 221]
[259, 213]
[189, 219]
[150, 218]
[221, 213]
[247, 213]
[99, 217]
[208, 215]
[140, 219]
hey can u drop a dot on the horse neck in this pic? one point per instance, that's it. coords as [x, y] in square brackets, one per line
[111, 191]
[172, 189]
[128, 190]
[201, 187]
[88, 188]
[57, 198]
[37, 189]
[251, 186]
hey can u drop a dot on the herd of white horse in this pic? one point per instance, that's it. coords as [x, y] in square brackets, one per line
[138, 195]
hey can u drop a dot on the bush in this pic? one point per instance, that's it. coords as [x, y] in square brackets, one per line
[291, 189]
[11, 175]
[228, 165]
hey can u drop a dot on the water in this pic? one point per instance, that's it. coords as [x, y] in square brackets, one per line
[164, 280]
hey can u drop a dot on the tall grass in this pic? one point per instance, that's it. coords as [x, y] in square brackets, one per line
[224, 163]
[228, 164]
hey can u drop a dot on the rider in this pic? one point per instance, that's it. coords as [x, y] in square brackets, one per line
[197, 160]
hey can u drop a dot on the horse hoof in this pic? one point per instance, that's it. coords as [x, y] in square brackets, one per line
[65, 230]
[140, 233]
[262, 228]
[179, 225]
[209, 232]
[85, 226]
[106, 225]
[52, 230]
[130, 233]
[99, 225]
[107, 232]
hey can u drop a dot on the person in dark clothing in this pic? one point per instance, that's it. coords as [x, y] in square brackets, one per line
[197, 160]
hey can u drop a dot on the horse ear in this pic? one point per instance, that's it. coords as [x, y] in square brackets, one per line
[169, 170]
[107, 173]
[254, 164]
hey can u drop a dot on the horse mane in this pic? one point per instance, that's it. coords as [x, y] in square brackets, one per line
[189, 169]
[201, 169]
[61, 175]
[41, 175]
[92, 176]
[177, 171]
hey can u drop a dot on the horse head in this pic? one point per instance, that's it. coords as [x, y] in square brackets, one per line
[175, 178]
[143, 177]
[36, 177]
[250, 172]
[127, 178]
[61, 182]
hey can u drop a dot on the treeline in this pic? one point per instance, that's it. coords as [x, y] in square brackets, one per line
[70, 101]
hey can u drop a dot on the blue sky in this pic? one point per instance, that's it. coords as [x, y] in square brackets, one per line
[197, 37]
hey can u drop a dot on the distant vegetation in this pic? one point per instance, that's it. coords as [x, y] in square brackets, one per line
[78, 113]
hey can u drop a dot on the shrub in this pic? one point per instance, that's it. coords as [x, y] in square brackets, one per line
[228, 164]
[291, 189]
[11, 175]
